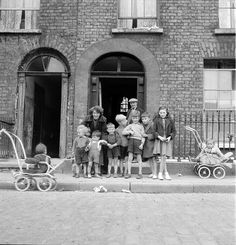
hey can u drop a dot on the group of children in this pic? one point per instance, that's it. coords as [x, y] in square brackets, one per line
[141, 137]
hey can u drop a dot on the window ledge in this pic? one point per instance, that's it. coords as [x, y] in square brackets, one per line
[22, 31]
[144, 30]
[225, 31]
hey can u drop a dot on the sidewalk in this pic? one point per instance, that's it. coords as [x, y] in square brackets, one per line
[178, 184]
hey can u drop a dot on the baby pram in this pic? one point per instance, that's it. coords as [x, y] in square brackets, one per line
[24, 181]
[208, 164]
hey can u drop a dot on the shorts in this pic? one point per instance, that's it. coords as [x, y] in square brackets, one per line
[123, 152]
[94, 156]
[81, 156]
[114, 152]
[133, 146]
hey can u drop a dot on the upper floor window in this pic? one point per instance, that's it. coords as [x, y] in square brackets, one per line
[219, 84]
[19, 14]
[138, 13]
[227, 13]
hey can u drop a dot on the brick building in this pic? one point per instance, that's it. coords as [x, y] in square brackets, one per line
[60, 57]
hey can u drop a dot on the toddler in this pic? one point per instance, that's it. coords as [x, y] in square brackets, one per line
[94, 152]
[80, 151]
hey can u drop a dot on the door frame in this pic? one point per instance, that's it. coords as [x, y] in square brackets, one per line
[64, 102]
[95, 88]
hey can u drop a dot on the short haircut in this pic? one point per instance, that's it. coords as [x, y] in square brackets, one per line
[110, 125]
[97, 133]
[146, 114]
[210, 141]
[40, 148]
[120, 117]
[135, 113]
[96, 108]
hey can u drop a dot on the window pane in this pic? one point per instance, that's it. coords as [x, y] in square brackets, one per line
[125, 8]
[224, 3]
[106, 64]
[211, 95]
[225, 82]
[54, 65]
[210, 80]
[150, 8]
[224, 100]
[234, 99]
[140, 8]
[233, 18]
[129, 64]
[224, 18]
[210, 104]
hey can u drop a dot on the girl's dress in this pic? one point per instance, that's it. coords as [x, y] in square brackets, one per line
[165, 128]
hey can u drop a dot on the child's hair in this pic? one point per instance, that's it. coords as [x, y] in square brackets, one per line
[97, 134]
[120, 117]
[84, 129]
[145, 114]
[135, 113]
[40, 148]
[210, 141]
[161, 108]
[110, 125]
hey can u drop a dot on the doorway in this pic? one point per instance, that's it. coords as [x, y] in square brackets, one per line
[42, 113]
[113, 90]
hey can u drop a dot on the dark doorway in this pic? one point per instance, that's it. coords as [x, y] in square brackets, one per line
[113, 90]
[47, 111]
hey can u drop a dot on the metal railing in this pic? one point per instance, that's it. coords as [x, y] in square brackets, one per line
[18, 19]
[6, 149]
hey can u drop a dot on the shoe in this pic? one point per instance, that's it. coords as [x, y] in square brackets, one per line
[160, 176]
[73, 175]
[77, 176]
[127, 176]
[167, 176]
[139, 176]
[121, 175]
[89, 176]
[85, 176]
[154, 176]
[150, 175]
[108, 176]
[115, 176]
[97, 176]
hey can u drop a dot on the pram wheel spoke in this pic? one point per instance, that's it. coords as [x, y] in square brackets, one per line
[22, 183]
[204, 172]
[44, 183]
[219, 172]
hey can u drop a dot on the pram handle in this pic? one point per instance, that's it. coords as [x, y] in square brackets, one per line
[195, 134]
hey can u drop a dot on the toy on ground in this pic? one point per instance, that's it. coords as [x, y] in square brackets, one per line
[24, 180]
[207, 163]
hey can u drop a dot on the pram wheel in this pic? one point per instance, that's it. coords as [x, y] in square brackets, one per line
[195, 169]
[54, 184]
[219, 172]
[204, 172]
[22, 183]
[44, 183]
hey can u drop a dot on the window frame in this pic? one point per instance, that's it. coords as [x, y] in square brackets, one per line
[232, 9]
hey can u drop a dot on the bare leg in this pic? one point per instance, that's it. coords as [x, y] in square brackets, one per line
[115, 166]
[96, 169]
[130, 158]
[109, 167]
[89, 169]
[85, 169]
[139, 159]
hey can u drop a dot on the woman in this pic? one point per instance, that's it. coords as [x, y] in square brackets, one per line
[96, 121]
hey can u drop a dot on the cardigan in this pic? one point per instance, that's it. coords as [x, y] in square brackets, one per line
[159, 129]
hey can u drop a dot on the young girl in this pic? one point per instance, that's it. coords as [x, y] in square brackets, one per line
[149, 143]
[165, 132]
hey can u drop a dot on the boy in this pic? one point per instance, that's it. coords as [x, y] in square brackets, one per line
[149, 143]
[122, 121]
[80, 151]
[113, 152]
[136, 133]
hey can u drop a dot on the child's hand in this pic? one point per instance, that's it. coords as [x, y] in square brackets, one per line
[110, 146]
[168, 139]
[161, 138]
[145, 135]
[86, 148]
[141, 147]
[131, 132]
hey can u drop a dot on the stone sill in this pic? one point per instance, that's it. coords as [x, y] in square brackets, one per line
[225, 31]
[137, 30]
[21, 31]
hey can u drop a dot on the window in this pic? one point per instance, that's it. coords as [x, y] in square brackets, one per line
[219, 84]
[227, 13]
[137, 13]
[19, 14]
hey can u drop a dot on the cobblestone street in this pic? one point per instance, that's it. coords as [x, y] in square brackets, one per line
[116, 218]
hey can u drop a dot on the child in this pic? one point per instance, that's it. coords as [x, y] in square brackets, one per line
[113, 152]
[94, 152]
[36, 164]
[165, 132]
[149, 143]
[80, 151]
[212, 155]
[135, 131]
[122, 121]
